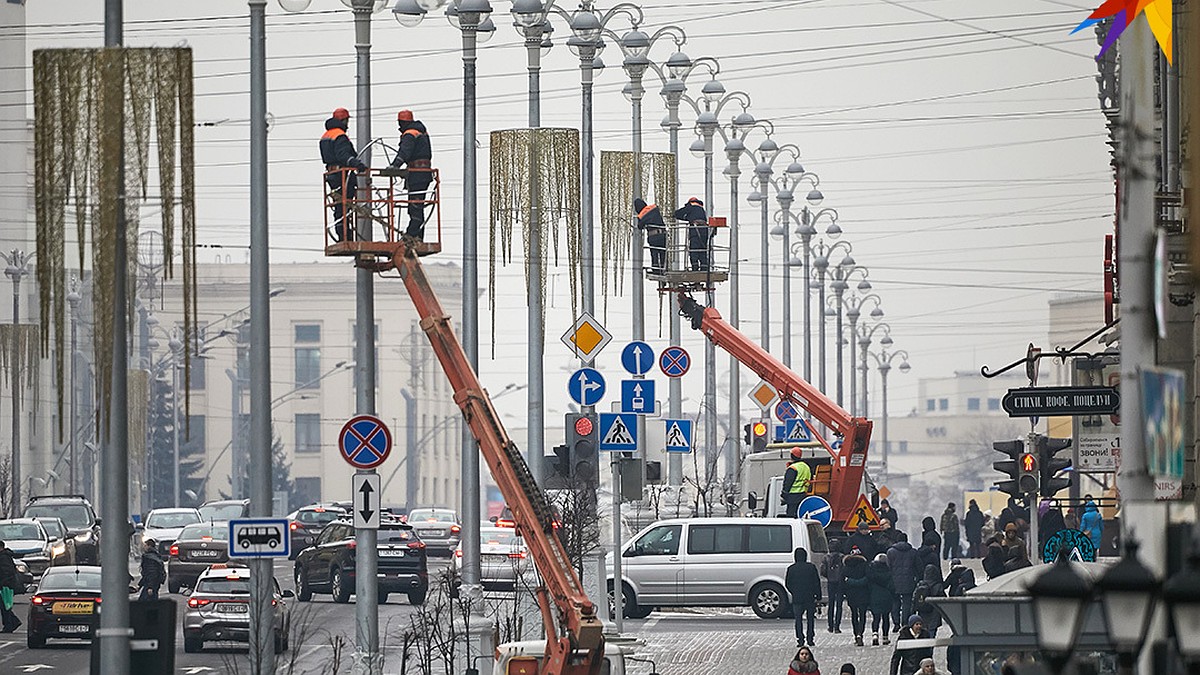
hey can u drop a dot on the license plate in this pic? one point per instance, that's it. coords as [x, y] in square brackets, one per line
[233, 608]
[429, 533]
[71, 607]
[203, 553]
[391, 553]
[73, 628]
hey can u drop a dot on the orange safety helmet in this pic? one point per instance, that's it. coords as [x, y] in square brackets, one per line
[797, 453]
[404, 116]
[341, 114]
[695, 200]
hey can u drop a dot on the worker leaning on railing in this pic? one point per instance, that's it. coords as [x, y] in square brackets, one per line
[337, 152]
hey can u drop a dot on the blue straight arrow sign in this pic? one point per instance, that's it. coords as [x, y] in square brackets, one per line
[637, 396]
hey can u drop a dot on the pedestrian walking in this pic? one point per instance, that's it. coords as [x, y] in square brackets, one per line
[863, 540]
[886, 512]
[803, 583]
[154, 572]
[930, 586]
[993, 559]
[1091, 522]
[950, 530]
[905, 565]
[796, 481]
[10, 584]
[929, 667]
[960, 579]
[699, 233]
[973, 527]
[1050, 522]
[887, 535]
[906, 659]
[650, 220]
[415, 154]
[882, 598]
[832, 568]
[931, 542]
[803, 663]
[857, 589]
[1016, 556]
[987, 531]
[337, 152]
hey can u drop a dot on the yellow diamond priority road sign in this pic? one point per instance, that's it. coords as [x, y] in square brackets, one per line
[763, 395]
[586, 338]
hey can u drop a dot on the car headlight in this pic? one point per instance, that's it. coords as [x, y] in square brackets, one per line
[22, 567]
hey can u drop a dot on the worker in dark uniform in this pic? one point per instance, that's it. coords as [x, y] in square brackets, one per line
[415, 154]
[796, 481]
[699, 233]
[650, 219]
[337, 152]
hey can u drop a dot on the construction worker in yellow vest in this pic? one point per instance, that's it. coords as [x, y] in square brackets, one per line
[796, 482]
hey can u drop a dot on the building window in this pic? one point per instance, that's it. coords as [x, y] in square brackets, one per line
[972, 404]
[308, 433]
[308, 367]
[943, 404]
[993, 404]
[197, 373]
[930, 405]
[904, 447]
[308, 490]
[308, 333]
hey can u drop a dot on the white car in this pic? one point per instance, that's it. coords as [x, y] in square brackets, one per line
[504, 560]
[164, 526]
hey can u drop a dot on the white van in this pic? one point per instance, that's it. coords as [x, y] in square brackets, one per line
[715, 562]
[525, 658]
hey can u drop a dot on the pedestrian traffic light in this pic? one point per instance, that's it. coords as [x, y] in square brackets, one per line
[758, 433]
[1049, 464]
[1012, 450]
[583, 444]
[1027, 474]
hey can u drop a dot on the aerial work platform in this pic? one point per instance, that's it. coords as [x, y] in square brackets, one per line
[374, 218]
[690, 269]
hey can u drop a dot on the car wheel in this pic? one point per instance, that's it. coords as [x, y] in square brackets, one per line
[767, 600]
[191, 645]
[303, 590]
[417, 597]
[383, 597]
[35, 641]
[337, 586]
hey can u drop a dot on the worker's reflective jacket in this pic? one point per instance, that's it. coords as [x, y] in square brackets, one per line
[802, 479]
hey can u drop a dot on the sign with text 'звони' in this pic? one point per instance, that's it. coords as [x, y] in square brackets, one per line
[1061, 401]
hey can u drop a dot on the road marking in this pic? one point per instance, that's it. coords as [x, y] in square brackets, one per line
[34, 667]
[651, 623]
[194, 670]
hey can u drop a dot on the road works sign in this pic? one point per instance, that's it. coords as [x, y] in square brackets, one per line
[586, 338]
[1061, 401]
[863, 513]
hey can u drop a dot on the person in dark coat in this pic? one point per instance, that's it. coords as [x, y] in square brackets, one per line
[337, 152]
[864, 541]
[883, 593]
[887, 535]
[973, 526]
[804, 585]
[415, 154]
[1006, 516]
[10, 584]
[1016, 555]
[649, 219]
[847, 669]
[1050, 522]
[886, 512]
[699, 232]
[905, 565]
[835, 576]
[960, 580]
[950, 533]
[154, 572]
[931, 546]
[994, 557]
[931, 586]
[857, 589]
[906, 661]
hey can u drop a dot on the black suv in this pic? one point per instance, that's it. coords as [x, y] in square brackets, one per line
[77, 514]
[328, 565]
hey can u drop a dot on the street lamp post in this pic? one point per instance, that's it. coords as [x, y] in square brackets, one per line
[73, 299]
[884, 359]
[770, 152]
[820, 262]
[18, 266]
[866, 335]
[854, 307]
[840, 283]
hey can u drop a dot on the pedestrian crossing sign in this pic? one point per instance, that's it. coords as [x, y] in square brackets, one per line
[796, 431]
[618, 432]
[679, 435]
[863, 513]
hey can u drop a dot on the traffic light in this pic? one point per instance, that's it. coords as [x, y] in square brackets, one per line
[758, 436]
[1027, 474]
[653, 472]
[1009, 467]
[559, 465]
[583, 444]
[1049, 464]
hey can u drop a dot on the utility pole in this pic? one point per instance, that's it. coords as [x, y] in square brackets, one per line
[114, 632]
[18, 267]
[73, 299]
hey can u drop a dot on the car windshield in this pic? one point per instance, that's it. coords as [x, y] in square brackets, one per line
[498, 536]
[69, 580]
[227, 511]
[200, 530]
[52, 528]
[172, 520]
[224, 586]
[315, 517]
[11, 531]
[420, 516]
[76, 516]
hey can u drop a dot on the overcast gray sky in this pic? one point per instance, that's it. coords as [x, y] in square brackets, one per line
[960, 141]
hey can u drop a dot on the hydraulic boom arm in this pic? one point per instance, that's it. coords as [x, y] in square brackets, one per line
[574, 643]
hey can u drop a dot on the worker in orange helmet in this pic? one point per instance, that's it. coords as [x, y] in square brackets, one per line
[415, 153]
[337, 152]
[699, 232]
[796, 482]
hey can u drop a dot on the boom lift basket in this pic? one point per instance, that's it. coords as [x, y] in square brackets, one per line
[678, 275]
[380, 205]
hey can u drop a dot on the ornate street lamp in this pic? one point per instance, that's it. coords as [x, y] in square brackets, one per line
[1181, 594]
[801, 256]
[1129, 591]
[1060, 597]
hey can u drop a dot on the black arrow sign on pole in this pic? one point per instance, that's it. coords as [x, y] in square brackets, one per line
[366, 491]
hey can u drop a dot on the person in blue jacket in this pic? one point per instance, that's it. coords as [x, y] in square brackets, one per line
[1092, 523]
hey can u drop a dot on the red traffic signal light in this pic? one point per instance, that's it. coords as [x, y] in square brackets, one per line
[759, 429]
[1028, 462]
[584, 426]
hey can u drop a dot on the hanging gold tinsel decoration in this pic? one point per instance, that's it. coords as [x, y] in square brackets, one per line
[85, 102]
[19, 353]
[534, 169]
[617, 218]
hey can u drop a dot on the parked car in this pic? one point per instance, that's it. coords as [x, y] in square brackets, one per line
[306, 523]
[80, 518]
[59, 536]
[715, 562]
[29, 542]
[438, 528]
[65, 605]
[224, 509]
[164, 526]
[219, 610]
[504, 560]
[197, 548]
[328, 566]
